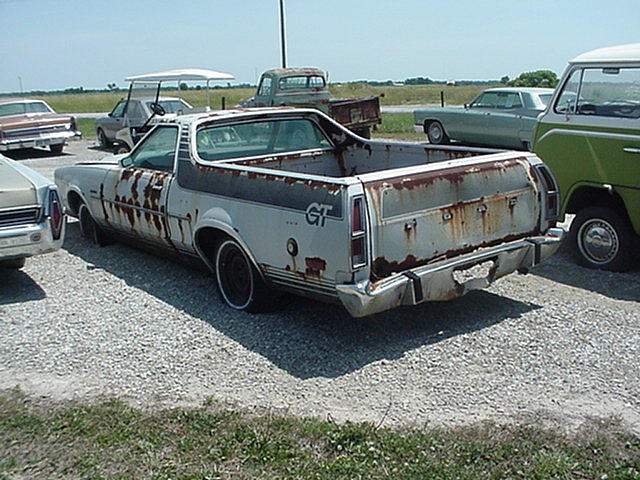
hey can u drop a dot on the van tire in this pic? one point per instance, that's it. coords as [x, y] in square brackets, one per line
[239, 283]
[436, 133]
[601, 238]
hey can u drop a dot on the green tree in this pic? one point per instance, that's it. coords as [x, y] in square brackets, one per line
[184, 86]
[539, 78]
[504, 80]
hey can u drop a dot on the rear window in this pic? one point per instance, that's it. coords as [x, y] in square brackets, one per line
[301, 82]
[259, 138]
[20, 108]
[545, 98]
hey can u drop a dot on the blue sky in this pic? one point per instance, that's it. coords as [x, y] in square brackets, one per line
[54, 44]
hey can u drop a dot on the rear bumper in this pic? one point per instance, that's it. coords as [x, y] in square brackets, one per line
[418, 128]
[436, 281]
[43, 140]
[28, 240]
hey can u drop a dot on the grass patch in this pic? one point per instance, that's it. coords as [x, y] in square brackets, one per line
[88, 127]
[400, 95]
[114, 441]
[398, 126]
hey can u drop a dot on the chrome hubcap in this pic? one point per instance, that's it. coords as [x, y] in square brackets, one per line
[435, 132]
[598, 241]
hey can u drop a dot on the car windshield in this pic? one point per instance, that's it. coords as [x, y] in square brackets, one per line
[20, 108]
[172, 106]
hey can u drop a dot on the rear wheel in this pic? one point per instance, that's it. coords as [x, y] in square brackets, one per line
[90, 229]
[57, 149]
[239, 283]
[602, 239]
[122, 148]
[436, 134]
[14, 263]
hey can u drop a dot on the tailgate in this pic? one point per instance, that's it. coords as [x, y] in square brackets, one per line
[356, 111]
[441, 210]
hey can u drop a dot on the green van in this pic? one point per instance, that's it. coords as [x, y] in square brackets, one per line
[589, 135]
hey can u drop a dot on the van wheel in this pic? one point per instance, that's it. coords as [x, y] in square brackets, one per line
[90, 229]
[239, 283]
[13, 264]
[436, 134]
[603, 239]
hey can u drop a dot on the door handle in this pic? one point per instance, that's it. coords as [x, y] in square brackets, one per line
[631, 150]
[156, 187]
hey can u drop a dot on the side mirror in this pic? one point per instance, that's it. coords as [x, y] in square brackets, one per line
[110, 114]
[126, 161]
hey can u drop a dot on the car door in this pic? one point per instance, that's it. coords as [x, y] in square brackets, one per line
[472, 127]
[134, 195]
[115, 120]
[503, 123]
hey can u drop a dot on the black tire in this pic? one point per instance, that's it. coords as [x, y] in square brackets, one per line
[601, 238]
[239, 283]
[103, 140]
[13, 264]
[57, 149]
[436, 133]
[90, 229]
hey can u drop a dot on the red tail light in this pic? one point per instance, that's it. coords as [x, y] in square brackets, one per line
[358, 234]
[56, 215]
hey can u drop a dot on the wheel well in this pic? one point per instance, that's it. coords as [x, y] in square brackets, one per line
[591, 196]
[429, 121]
[74, 200]
[208, 239]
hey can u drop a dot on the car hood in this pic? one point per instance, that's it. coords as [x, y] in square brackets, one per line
[12, 122]
[16, 190]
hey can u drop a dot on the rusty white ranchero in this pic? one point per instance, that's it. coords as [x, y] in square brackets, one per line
[289, 199]
[31, 217]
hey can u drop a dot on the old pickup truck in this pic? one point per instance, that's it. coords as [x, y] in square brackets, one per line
[289, 199]
[308, 87]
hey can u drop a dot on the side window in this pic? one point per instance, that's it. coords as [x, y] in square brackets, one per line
[158, 150]
[610, 92]
[512, 100]
[265, 86]
[259, 138]
[486, 100]
[566, 102]
[119, 109]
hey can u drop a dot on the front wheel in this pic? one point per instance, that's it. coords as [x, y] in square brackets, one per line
[239, 283]
[603, 239]
[436, 134]
[90, 229]
[103, 140]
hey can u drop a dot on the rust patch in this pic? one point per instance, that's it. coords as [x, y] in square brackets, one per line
[315, 266]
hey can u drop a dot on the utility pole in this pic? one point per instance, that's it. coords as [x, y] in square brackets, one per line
[283, 44]
[20, 81]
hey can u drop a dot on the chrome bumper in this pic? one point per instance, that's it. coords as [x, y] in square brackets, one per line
[436, 281]
[43, 140]
[28, 240]
[418, 128]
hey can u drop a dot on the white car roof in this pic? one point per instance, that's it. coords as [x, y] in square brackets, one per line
[620, 53]
[183, 74]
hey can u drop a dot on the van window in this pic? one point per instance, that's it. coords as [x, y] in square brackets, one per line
[610, 92]
[566, 103]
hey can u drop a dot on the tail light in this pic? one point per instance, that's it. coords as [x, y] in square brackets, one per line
[358, 233]
[552, 193]
[55, 214]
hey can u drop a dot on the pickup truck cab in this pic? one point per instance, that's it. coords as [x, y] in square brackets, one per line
[31, 216]
[289, 199]
[590, 137]
[308, 87]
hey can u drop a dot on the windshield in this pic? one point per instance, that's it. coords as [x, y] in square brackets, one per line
[172, 106]
[20, 108]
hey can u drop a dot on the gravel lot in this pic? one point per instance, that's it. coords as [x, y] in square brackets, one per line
[560, 344]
